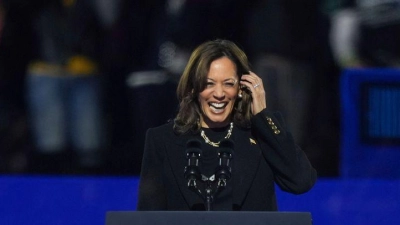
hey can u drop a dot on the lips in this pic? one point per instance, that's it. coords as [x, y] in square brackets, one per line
[218, 107]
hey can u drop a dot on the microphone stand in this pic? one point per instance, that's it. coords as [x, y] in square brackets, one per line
[209, 194]
[223, 173]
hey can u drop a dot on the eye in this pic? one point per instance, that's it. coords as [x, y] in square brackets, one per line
[229, 84]
[209, 84]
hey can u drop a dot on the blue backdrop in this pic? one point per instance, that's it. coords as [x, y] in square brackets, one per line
[67, 200]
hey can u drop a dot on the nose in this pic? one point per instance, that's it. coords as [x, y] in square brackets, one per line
[219, 92]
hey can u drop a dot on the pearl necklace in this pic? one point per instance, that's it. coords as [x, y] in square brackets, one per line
[216, 144]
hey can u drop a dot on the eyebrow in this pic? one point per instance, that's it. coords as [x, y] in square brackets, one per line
[228, 79]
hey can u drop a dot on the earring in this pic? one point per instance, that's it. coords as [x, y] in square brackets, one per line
[240, 95]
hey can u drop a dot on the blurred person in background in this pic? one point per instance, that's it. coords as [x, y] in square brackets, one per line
[286, 44]
[280, 39]
[365, 33]
[64, 91]
[149, 86]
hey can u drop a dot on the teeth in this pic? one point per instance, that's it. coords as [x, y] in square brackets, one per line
[218, 105]
[217, 110]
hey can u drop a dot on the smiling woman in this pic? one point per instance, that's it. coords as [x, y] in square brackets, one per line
[188, 163]
[214, 68]
[219, 96]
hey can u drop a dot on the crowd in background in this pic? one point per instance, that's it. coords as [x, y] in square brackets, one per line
[82, 80]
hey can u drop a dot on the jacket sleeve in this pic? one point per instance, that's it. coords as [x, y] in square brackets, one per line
[151, 194]
[292, 170]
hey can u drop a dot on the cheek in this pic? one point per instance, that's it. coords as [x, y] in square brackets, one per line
[233, 94]
[203, 96]
[202, 100]
[202, 103]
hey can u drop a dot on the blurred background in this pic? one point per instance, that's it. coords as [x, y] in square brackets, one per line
[82, 80]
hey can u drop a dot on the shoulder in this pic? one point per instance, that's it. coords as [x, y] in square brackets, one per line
[165, 134]
[164, 129]
[156, 136]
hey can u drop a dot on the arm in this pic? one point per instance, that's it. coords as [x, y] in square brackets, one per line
[151, 189]
[292, 169]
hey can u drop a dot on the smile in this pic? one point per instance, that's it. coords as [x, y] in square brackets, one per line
[218, 107]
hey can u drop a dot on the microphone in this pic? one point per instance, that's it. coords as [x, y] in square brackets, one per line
[225, 155]
[193, 154]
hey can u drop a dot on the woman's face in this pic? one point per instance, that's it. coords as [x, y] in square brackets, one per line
[219, 96]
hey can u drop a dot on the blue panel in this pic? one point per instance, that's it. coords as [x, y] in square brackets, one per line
[382, 111]
[348, 202]
[66, 200]
[370, 123]
[85, 200]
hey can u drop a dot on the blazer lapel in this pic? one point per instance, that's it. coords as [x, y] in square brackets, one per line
[245, 164]
[176, 150]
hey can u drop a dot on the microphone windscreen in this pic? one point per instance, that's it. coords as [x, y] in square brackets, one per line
[226, 146]
[193, 146]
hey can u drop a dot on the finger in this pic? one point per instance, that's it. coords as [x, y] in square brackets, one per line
[252, 77]
[257, 79]
[252, 81]
[249, 79]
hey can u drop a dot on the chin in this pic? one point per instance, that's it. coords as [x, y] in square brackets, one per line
[218, 120]
[213, 119]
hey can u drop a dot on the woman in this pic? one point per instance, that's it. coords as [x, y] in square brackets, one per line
[220, 98]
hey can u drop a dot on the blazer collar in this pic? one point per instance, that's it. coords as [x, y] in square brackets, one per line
[245, 162]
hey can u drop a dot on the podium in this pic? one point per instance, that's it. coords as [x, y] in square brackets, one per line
[207, 218]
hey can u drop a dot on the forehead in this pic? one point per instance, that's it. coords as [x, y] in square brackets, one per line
[222, 68]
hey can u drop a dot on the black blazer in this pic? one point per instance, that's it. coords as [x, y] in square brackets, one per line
[263, 155]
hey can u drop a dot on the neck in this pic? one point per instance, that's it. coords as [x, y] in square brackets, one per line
[210, 124]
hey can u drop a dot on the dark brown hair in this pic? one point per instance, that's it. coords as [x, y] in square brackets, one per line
[194, 79]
